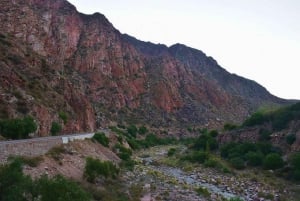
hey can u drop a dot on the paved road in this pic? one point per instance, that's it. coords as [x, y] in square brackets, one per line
[46, 138]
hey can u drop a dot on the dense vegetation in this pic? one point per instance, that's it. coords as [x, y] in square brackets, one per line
[18, 128]
[95, 168]
[55, 128]
[15, 186]
[279, 119]
[101, 138]
[206, 150]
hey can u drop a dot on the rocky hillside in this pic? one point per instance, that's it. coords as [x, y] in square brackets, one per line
[55, 61]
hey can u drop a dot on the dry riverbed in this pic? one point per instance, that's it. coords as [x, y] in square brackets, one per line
[162, 179]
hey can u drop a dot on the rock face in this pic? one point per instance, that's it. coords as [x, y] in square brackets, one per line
[55, 60]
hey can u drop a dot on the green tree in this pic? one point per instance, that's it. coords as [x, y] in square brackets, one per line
[14, 186]
[55, 128]
[273, 161]
[17, 128]
[257, 118]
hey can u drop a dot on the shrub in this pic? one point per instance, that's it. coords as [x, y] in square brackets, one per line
[133, 143]
[30, 161]
[101, 138]
[63, 116]
[229, 126]
[197, 157]
[273, 161]
[290, 139]
[264, 134]
[206, 142]
[132, 130]
[56, 152]
[15, 186]
[55, 128]
[123, 152]
[212, 163]
[59, 188]
[17, 128]
[294, 161]
[95, 168]
[254, 158]
[257, 118]
[202, 191]
[171, 151]
[143, 130]
[213, 133]
[237, 163]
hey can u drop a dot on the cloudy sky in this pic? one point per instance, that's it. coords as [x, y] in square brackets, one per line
[257, 39]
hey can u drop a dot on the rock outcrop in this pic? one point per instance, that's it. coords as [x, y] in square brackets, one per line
[56, 60]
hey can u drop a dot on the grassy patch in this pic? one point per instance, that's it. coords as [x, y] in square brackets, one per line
[202, 191]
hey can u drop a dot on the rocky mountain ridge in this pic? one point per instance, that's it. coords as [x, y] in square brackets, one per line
[56, 60]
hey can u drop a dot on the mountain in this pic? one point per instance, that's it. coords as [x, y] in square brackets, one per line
[55, 61]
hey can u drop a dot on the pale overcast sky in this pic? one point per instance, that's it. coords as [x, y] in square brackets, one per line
[257, 39]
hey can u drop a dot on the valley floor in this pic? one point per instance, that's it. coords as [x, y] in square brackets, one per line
[165, 178]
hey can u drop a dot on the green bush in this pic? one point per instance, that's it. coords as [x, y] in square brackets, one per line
[171, 151]
[30, 161]
[264, 134]
[213, 133]
[101, 138]
[63, 116]
[56, 152]
[17, 128]
[123, 152]
[95, 168]
[202, 191]
[59, 188]
[273, 161]
[206, 142]
[134, 143]
[294, 161]
[290, 139]
[55, 128]
[254, 158]
[229, 126]
[212, 163]
[143, 130]
[237, 163]
[132, 130]
[197, 157]
[15, 186]
[257, 118]
[279, 118]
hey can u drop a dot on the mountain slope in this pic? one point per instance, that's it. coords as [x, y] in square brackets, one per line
[61, 61]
